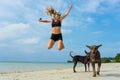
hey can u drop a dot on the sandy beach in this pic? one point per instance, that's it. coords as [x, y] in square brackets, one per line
[109, 71]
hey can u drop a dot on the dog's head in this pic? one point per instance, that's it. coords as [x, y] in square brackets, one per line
[87, 55]
[93, 49]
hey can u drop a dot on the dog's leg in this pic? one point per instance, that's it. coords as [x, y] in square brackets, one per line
[75, 63]
[85, 67]
[98, 70]
[88, 66]
[94, 72]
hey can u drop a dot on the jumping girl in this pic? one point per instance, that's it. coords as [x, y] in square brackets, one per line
[56, 22]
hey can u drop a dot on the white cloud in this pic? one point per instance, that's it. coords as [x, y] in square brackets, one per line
[97, 6]
[4, 23]
[64, 31]
[85, 22]
[9, 8]
[90, 20]
[12, 3]
[113, 2]
[57, 4]
[89, 6]
[116, 43]
[28, 41]
[13, 30]
[86, 10]
[98, 32]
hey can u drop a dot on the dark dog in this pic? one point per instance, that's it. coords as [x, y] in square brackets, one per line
[95, 58]
[83, 59]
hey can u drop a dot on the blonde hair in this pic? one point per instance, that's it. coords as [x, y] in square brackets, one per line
[50, 11]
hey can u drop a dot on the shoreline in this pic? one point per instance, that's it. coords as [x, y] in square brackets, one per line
[31, 66]
[108, 71]
[47, 69]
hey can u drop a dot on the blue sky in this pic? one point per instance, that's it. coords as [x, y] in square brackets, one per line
[90, 22]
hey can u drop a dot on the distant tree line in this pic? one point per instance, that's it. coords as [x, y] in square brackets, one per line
[107, 59]
[111, 59]
[117, 57]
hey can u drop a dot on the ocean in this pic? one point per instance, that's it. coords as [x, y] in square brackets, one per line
[32, 66]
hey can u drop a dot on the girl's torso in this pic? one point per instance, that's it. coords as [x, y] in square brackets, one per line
[56, 26]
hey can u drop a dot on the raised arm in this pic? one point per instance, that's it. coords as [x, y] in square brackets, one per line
[67, 12]
[46, 21]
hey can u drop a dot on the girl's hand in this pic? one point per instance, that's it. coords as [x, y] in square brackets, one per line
[40, 19]
[70, 6]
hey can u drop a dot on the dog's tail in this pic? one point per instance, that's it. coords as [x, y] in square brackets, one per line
[71, 54]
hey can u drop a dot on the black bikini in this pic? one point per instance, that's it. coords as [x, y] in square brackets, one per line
[57, 23]
[56, 37]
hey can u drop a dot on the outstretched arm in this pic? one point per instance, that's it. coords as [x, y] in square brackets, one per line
[67, 12]
[46, 21]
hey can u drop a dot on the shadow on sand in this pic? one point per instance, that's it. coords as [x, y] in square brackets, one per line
[113, 75]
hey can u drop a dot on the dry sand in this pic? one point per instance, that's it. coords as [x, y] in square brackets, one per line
[109, 71]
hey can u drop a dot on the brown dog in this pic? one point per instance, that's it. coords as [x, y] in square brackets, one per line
[83, 59]
[95, 58]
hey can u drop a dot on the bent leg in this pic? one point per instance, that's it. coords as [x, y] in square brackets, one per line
[75, 63]
[50, 44]
[60, 45]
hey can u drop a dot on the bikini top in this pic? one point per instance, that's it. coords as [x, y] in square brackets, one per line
[57, 23]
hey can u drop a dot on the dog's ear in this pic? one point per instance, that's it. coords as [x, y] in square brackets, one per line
[86, 52]
[99, 45]
[88, 46]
